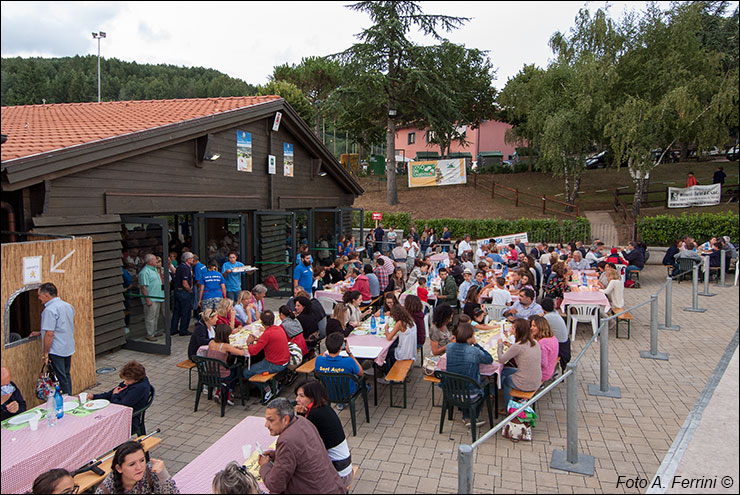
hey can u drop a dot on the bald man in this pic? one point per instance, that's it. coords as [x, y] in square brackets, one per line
[11, 401]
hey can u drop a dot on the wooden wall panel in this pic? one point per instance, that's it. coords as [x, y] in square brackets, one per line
[75, 287]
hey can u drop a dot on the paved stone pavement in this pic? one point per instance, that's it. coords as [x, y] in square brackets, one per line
[401, 450]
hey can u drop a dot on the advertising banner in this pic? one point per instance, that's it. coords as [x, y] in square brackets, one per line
[287, 160]
[243, 151]
[505, 240]
[437, 173]
[683, 197]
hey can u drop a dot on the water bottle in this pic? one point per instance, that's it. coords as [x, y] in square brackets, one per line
[59, 403]
[382, 315]
[583, 279]
[51, 410]
[373, 325]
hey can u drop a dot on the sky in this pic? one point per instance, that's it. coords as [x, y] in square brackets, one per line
[247, 39]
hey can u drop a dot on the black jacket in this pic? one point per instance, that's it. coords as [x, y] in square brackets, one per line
[133, 396]
[17, 397]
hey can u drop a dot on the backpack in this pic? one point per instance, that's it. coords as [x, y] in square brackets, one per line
[629, 284]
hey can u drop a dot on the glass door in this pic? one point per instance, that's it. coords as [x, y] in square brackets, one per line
[215, 235]
[275, 250]
[326, 226]
[147, 324]
[348, 230]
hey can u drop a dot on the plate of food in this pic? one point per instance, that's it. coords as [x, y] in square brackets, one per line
[360, 331]
[19, 419]
[71, 405]
[93, 405]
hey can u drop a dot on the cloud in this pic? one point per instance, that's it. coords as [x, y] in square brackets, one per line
[52, 29]
[151, 34]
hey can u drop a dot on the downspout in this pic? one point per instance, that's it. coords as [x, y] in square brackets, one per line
[11, 218]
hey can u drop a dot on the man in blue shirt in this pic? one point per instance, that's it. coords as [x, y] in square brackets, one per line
[233, 279]
[524, 307]
[57, 334]
[334, 363]
[303, 273]
[183, 305]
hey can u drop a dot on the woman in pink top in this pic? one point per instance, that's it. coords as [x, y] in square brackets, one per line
[542, 333]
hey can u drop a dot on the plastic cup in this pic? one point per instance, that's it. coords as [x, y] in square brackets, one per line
[34, 423]
[83, 398]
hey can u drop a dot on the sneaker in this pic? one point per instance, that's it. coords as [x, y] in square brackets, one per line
[186, 334]
[268, 394]
[340, 407]
[217, 396]
[383, 381]
[228, 400]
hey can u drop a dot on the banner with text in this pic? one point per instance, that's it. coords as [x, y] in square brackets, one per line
[505, 240]
[437, 173]
[683, 197]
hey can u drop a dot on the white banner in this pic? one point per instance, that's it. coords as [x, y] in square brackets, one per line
[505, 240]
[437, 173]
[683, 197]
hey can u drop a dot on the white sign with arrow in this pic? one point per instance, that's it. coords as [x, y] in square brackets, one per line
[54, 266]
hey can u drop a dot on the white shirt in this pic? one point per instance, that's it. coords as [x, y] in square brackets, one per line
[500, 297]
[591, 256]
[412, 248]
[545, 259]
[406, 344]
[478, 255]
[462, 247]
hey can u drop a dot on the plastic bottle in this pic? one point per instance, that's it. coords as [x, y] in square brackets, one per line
[583, 279]
[382, 315]
[59, 403]
[51, 410]
[373, 325]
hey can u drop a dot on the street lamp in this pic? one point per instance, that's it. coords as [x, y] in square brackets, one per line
[97, 36]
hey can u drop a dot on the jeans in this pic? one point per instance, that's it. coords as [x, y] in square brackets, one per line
[181, 313]
[61, 365]
[232, 295]
[630, 268]
[507, 384]
[564, 354]
[261, 367]
[151, 317]
[390, 358]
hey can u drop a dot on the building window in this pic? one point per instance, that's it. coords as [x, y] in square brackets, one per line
[430, 136]
[412, 138]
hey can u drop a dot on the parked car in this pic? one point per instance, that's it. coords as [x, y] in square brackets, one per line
[732, 153]
[597, 160]
[672, 156]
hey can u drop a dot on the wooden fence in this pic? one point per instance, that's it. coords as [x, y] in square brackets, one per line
[528, 199]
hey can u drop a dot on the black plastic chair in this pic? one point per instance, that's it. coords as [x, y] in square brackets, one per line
[141, 430]
[209, 375]
[337, 386]
[458, 391]
[685, 264]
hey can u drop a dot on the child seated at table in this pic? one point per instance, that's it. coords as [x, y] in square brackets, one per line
[404, 334]
[478, 321]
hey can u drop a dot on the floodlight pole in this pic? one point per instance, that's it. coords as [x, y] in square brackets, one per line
[97, 36]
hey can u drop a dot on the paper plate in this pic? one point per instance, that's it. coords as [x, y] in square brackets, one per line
[360, 332]
[71, 405]
[92, 405]
[24, 418]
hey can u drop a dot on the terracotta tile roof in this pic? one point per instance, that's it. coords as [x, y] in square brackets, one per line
[34, 129]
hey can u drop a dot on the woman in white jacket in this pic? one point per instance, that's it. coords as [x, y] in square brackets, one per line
[614, 290]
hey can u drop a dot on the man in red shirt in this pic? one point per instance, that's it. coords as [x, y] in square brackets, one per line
[274, 342]
[615, 258]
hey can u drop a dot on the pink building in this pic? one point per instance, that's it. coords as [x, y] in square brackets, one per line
[488, 137]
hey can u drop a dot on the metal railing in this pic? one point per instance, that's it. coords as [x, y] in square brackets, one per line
[569, 459]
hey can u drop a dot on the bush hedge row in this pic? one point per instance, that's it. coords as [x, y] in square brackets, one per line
[662, 230]
[547, 230]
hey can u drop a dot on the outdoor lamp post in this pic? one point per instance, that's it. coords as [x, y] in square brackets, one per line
[97, 36]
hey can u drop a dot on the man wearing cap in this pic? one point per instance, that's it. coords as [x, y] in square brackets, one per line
[465, 286]
[383, 269]
[183, 283]
[615, 258]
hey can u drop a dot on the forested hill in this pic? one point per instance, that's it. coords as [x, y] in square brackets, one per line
[31, 81]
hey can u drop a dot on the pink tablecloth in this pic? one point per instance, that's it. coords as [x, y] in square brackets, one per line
[70, 444]
[586, 297]
[370, 341]
[336, 295]
[197, 476]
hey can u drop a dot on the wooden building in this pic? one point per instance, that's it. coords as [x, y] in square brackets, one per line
[241, 173]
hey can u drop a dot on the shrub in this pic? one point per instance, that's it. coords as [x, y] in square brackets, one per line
[662, 230]
[400, 221]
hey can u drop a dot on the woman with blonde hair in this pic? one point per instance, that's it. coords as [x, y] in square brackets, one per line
[204, 331]
[246, 310]
[339, 321]
[227, 314]
[542, 333]
[235, 478]
[614, 289]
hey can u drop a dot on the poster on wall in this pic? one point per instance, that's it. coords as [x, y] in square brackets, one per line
[437, 173]
[287, 160]
[243, 151]
[683, 197]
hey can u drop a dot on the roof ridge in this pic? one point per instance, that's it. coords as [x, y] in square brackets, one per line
[84, 103]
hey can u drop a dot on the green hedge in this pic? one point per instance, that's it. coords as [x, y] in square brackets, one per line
[547, 230]
[662, 230]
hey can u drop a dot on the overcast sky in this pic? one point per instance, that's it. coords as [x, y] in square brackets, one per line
[247, 39]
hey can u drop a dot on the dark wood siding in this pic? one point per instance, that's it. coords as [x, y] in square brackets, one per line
[167, 180]
[105, 231]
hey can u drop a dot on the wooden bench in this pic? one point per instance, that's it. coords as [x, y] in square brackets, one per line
[398, 373]
[307, 368]
[188, 365]
[89, 479]
[434, 381]
[521, 394]
[262, 381]
[625, 317]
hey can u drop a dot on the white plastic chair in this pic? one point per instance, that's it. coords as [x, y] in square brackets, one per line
[327, 303]
[583, 313]
[622, 270]
[737, 265]
[494, 312]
